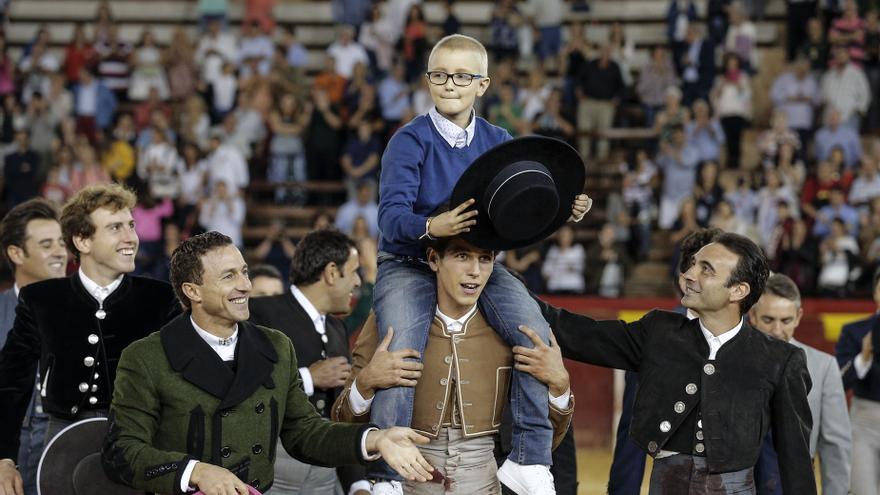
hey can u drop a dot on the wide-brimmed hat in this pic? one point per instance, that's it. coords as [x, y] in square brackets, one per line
[524, 189]
[71, 462]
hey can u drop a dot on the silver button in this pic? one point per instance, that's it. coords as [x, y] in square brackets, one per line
[93, 339]
[699, 423]
[324, 338]
[96, 376]
[440, 405]
[700, 448]
[73, 410]
[94, 388]
[93, 400]
[709, 369]
[691, 388]
[89, 361]
[83, 387]
[679, 407]
[100, 314]
[447, 360]
[443, 381]
[665, 426]
[320, 403]
[699, 434]
[652, 446]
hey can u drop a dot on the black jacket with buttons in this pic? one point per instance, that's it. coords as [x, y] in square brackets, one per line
[57, 326]
[755, 383]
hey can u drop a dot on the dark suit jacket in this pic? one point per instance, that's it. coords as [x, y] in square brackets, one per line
[284, 313]
[849, 345]
[757, 382]
[56, 326]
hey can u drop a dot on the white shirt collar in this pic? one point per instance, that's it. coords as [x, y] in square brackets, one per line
[714, 342]
[311, 310]
[454, 135]
[225, 348]
[691, 315]
[16, 288]
[100, 293]
[454, 325]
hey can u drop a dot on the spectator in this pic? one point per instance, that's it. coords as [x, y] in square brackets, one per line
[35, 71]
[507, 113]
[678, 160]
[534, 95]
[53, 189]
[732, 100]
[504, 43]
[573, 60]
[655, 76]
[797, 16]
[451, 24]
[845, 88]
[608, 264]
[256, 46]
[324, 142]
[527, 262]
[287, 154]
[329, 82]
[194, 123]
[226, 164]
[59, 99]
[793, 254]
[725, 218]
[215, 49]
[816, 48]
[296, 53]
[795, 93]
[839, 259]
[276, 249]
[394, 95]
[87, 171]
[41, 126]
[193, 171]
[94, 105]
[600, 89]
[158, 121]
[717, 19]
[249, 129]
[148, 72]
[347, 52]
[773, 192]
[180, 66]
[684, 225]
[366, 109]
[103, 21]
[148, 216]
[866, 185]
[623, 52]
[119, 156]
[224, 211]
[7, 69]
[704, 133]
[547, 16]
[564, 264]
[78, 54]
[837, 135]
[113, 64]
[285, 78]
[223, 92]
[360, 158]
[697, 66]
[679, 19]
[552, 122]
[836, 209]
[848, 31]
[742, 197]
[260, 12]
[779, 134]
[638, 198]
[791, 168]
[362, 205]
[415, 43]
[21, 180]
[159, 166]
[143, 112]
[351, 13]
[817, 188]
[707, 193]
[376, 36]
[742, 38]
[211, 12]
[872, 64]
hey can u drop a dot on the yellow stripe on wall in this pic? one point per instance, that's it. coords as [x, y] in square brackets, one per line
[834, 322]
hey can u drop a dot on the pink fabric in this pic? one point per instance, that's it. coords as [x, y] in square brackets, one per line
[148, 222]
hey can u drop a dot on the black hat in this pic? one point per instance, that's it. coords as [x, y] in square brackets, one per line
[524, 189]
[71, 462]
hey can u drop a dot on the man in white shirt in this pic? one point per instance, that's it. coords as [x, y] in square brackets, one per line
[225, 163]
[845, 88]
[215, 48]
[347, 52]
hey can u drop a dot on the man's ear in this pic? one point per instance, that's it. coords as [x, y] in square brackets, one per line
[433, 259]
[82, 244]
[483, 85]
[192, 291]
[330, 273]
[15, 254]
[740, 291]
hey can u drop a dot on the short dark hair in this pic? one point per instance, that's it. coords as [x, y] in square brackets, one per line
[782, 286]
[751, 267]
[441, 244]
[76, 218]
[13, 227]
[186, 261]
[692, 243]
[264, 270]
[315, 251]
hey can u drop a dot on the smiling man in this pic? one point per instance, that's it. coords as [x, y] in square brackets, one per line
[76, 327]
[203, 402]
[711, 387]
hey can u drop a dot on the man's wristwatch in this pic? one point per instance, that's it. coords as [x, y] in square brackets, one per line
[427, 234]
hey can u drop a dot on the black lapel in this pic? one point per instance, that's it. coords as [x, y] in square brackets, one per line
[256, 357]
[193, 358]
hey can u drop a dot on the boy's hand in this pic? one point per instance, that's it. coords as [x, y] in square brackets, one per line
[580, 207]
[453, 222]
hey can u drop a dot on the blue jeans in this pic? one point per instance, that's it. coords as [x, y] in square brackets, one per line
[33, 438]
[550, 42]
[405, 298]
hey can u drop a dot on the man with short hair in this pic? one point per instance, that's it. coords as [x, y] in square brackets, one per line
[778, 313]
[75, 328]
[266, 281]
[323, 275]
[203, 402]
[32, 244]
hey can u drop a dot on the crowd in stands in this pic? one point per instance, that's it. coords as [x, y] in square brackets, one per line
[190, 125]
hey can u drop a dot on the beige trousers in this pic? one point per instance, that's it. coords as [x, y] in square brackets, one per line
[467, 463]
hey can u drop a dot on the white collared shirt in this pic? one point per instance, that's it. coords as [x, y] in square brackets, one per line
[225, 348]
[715, 342]
[100, 293]
[319, 320]
[455, 325]
[454, 135]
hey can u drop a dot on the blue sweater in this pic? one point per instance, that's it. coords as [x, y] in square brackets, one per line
[419, 170]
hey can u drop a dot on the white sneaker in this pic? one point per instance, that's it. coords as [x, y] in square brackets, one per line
[388, 488]
[534, 479]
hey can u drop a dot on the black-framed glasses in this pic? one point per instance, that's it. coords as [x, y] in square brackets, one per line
[460, 79]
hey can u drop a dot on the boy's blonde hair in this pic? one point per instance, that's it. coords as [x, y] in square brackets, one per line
[463, 42]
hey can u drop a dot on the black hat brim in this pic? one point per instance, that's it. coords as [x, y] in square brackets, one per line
[562, 161]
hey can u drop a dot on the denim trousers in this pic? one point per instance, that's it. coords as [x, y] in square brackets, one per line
[405, 299]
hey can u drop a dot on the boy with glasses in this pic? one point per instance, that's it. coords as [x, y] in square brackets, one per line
[420, 166]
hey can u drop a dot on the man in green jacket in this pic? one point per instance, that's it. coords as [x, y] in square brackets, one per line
[202, 402]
